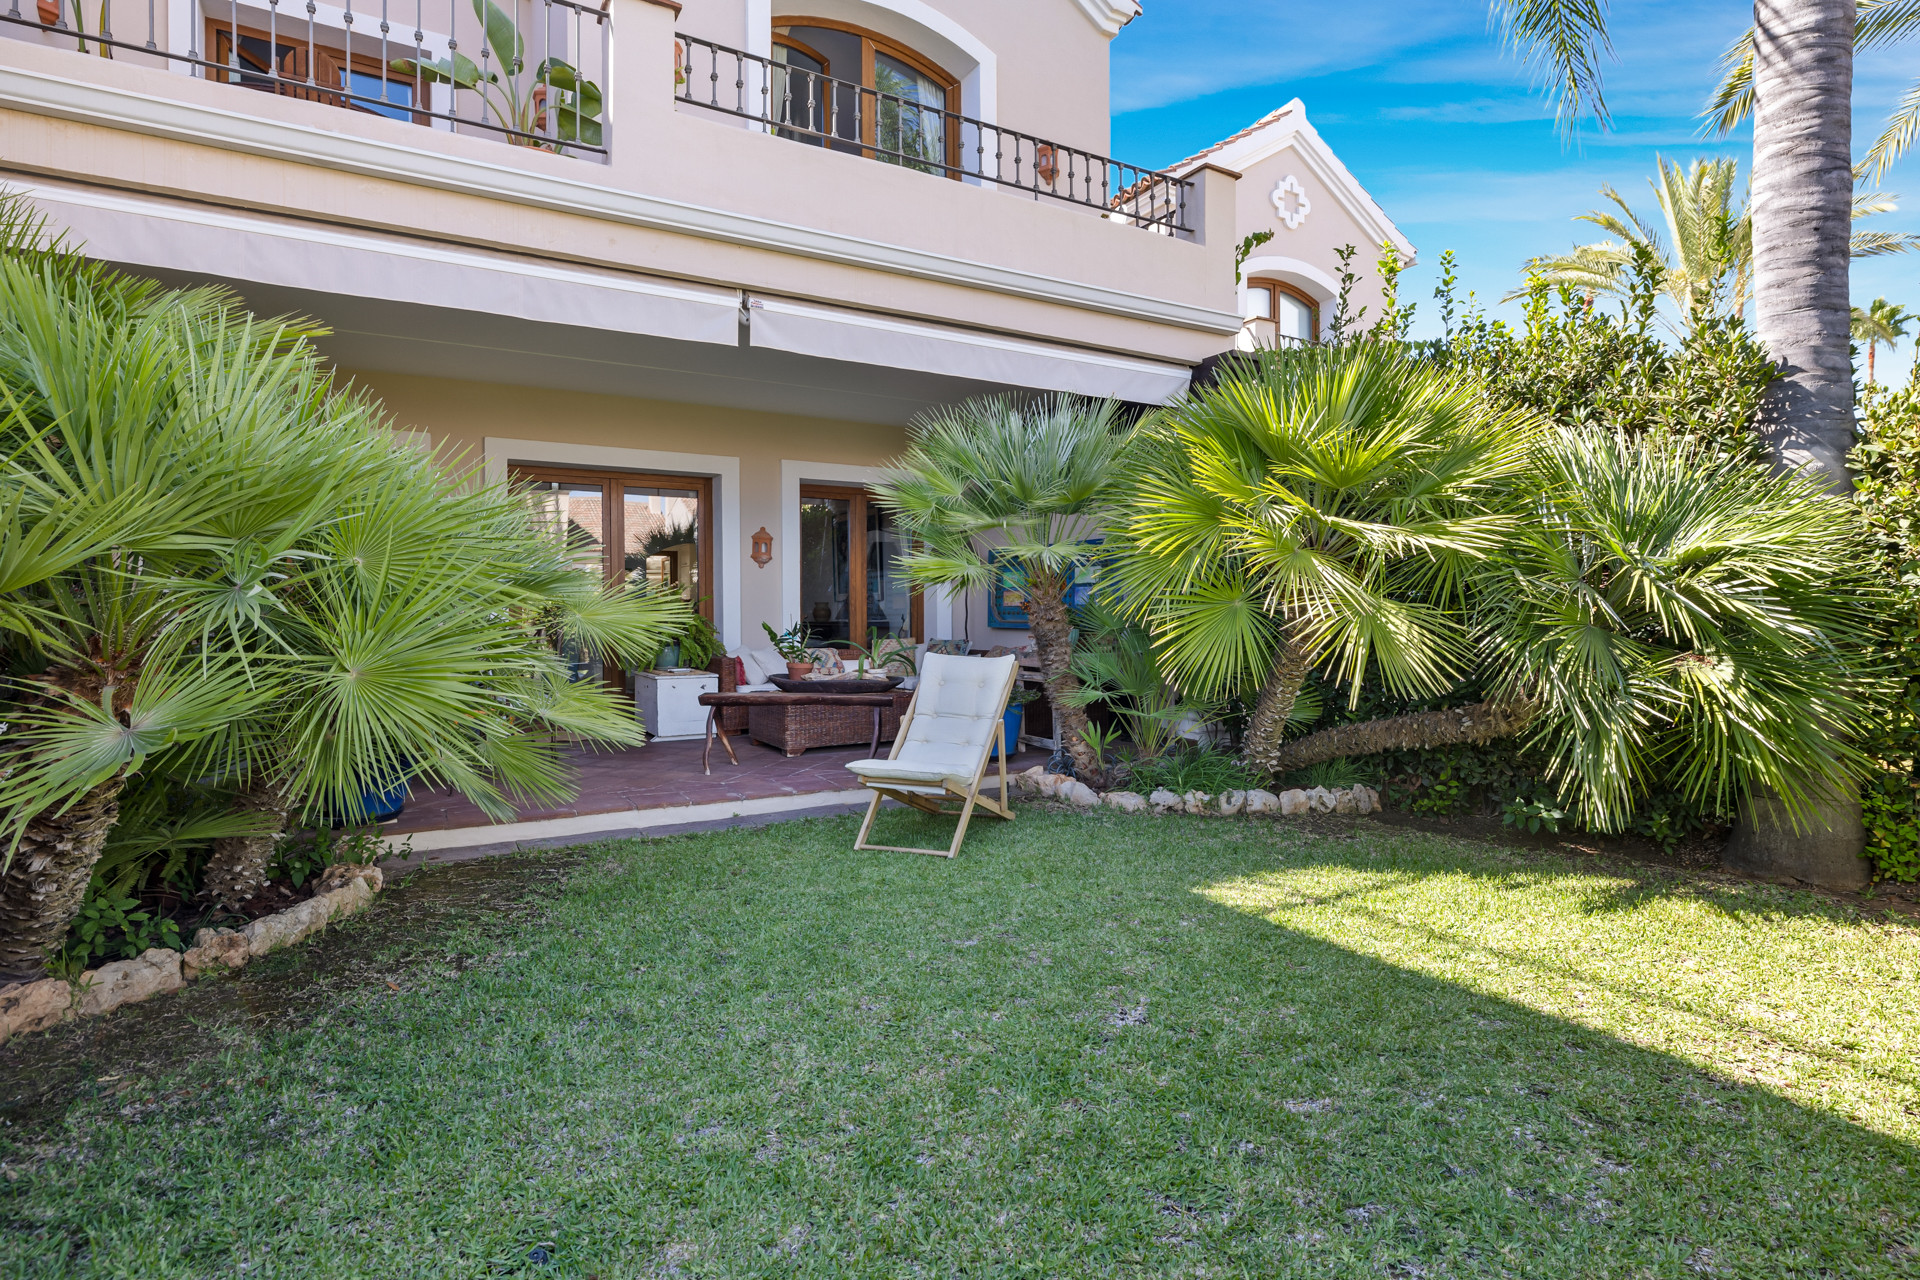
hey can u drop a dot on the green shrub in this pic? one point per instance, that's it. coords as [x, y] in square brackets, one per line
[1887, 489]
[1194, 769]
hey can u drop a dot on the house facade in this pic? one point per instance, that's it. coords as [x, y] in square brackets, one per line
[691, 270]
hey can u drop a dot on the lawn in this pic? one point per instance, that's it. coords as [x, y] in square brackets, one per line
[1089, 1046]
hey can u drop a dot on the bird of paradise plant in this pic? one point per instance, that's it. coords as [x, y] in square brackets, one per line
[520, 103]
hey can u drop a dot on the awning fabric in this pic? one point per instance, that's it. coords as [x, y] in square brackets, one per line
[157, 234]
[858, 337]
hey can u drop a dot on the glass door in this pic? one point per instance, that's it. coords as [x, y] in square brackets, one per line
[629, 527]
[851, 581]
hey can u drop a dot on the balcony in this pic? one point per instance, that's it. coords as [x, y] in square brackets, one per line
[492, 158]
[530, 74]
[534, 73]
[792, 97]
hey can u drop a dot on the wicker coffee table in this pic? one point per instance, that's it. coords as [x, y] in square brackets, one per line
[792, 722]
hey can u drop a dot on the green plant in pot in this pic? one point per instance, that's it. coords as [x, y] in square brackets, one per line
[791, 644]
[696, 646]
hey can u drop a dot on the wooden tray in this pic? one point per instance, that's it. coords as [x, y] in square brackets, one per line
[879, 685]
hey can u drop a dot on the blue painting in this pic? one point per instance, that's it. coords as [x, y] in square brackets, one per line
[1007, 597]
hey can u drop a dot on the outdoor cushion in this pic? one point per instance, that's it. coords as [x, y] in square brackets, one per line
[762, 661]
[957, 708]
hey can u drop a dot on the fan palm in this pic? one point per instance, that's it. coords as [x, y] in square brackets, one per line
[179, 487]
[417, 641]
[1316, 507]
[107, 399]
[1031, 482]
[1799, 91]
[1660, 612]
[1881, 324]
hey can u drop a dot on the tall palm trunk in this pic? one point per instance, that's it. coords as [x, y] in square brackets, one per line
[1802, 222]
[238, 868]
[42, 889]
[1052, 627]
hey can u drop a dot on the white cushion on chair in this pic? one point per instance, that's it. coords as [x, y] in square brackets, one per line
[956, 711]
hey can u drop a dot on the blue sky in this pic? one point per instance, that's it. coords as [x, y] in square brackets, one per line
[1451, 134]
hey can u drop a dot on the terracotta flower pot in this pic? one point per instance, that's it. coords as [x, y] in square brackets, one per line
[795, 670]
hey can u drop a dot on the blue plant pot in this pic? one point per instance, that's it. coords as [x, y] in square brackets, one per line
[1015, 717]
[381, 805]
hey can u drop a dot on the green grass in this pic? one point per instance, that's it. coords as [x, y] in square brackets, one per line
[1095, 1046]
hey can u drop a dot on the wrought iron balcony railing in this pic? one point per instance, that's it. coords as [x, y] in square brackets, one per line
[529, 72]
[844, 115]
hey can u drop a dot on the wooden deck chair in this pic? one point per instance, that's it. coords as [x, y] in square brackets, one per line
[940, 755]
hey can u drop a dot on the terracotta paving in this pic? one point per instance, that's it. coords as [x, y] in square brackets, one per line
[664, 775]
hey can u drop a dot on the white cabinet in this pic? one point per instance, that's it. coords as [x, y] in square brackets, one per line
[668, 702]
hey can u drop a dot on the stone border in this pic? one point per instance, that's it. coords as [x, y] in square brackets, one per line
[342, 891]
[1053, 786]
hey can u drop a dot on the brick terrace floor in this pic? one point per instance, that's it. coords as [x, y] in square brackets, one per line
[665, 775]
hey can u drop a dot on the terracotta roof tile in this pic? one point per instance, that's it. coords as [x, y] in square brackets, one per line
[1257, 125]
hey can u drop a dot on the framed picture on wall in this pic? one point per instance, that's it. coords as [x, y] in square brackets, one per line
[1007, 597]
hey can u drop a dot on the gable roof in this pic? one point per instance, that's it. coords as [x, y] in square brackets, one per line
[1287, 128]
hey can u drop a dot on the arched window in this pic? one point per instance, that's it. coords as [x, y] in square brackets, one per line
[1279, 312]
[855, 90]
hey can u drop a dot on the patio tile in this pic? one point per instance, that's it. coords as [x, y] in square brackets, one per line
[662, 775]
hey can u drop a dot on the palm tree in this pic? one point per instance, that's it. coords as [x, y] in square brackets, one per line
[1881, 323]
[1801, 87]
[197, 563]
[416, 644]
[1876, 23]
[1032, 481]
[1711, 240]
[1659, 611]
[1317, 507]
[103, 400]
[1710, 267]
[1799, 91]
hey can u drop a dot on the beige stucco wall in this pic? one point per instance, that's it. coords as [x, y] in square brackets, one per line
[460, 417]
[1327, 228]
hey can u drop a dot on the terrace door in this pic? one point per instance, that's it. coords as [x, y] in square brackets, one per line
[630, 527]
[851, 584]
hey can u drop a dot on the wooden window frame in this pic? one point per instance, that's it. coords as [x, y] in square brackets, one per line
[220, 37]
[857, 500]
[1293, 291]
[613, 533]
[872, 42]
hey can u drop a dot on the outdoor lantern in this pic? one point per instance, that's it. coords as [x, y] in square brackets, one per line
[762, 547]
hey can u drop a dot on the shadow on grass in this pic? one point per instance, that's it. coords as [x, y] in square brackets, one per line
[1087, 1046]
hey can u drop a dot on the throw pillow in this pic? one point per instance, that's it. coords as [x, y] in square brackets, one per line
[762, 662]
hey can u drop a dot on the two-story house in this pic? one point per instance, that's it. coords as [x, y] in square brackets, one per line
[691, 269]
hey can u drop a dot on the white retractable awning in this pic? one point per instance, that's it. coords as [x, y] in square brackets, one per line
[167, 235]
[858, 337]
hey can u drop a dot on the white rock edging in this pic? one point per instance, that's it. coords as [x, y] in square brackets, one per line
[1355, 799]
[34, 1006]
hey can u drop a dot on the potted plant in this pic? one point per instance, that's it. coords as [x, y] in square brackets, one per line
[791, 644]
[884, 654]
[1016, 715]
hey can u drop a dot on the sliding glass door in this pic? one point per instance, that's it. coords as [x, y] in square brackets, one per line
[851, 584]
